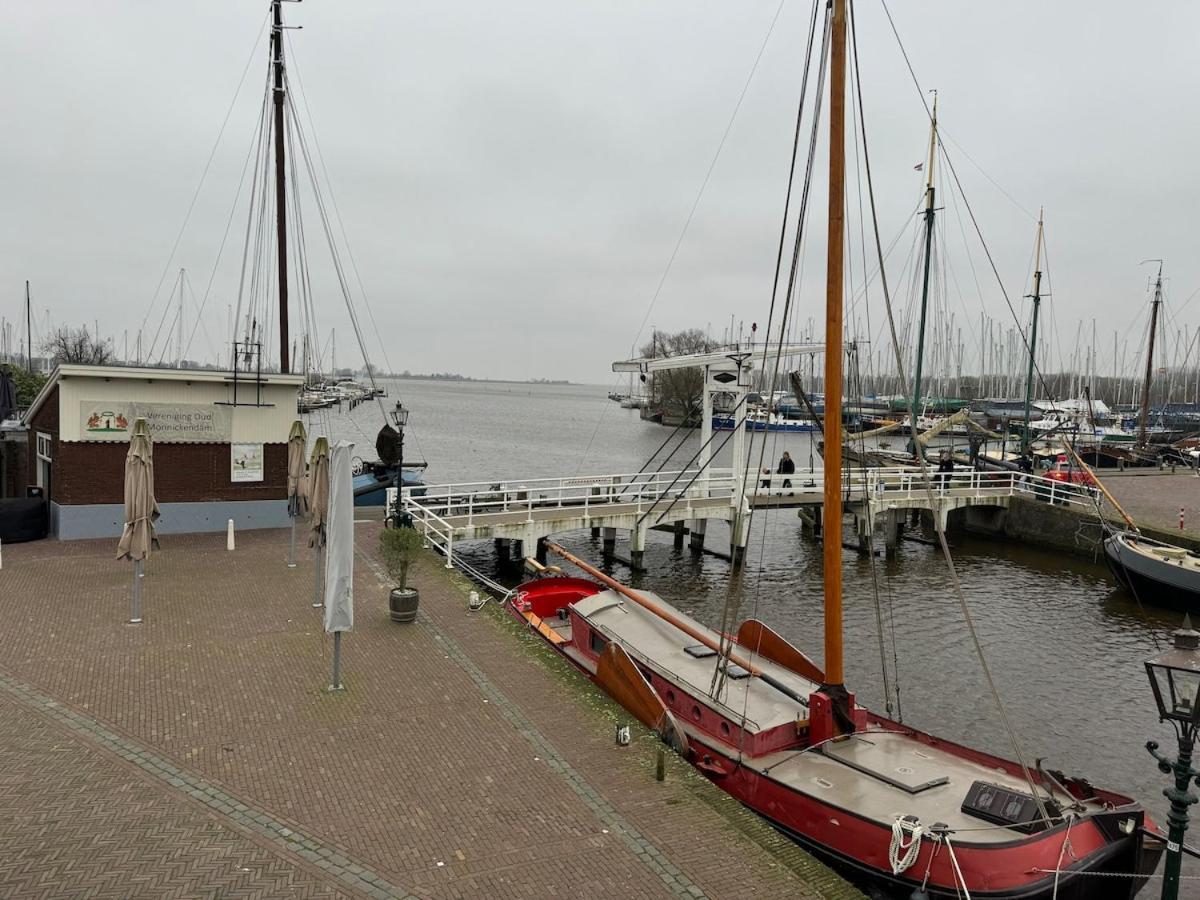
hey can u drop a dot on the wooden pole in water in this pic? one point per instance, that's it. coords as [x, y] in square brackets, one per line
[832, 512]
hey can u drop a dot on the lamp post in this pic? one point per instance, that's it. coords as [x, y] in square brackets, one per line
[400, 417]
[1175, 679]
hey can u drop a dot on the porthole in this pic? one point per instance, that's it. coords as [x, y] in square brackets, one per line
[696, 713]
[725, 728]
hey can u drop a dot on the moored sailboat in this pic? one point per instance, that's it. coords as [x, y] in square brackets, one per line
[786, 737]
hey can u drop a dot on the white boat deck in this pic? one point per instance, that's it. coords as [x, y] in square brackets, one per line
[879, 774]
[661, 646]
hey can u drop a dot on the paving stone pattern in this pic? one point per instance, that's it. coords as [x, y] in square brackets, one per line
[199, 754]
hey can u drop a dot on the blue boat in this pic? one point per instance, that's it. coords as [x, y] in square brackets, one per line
[760, 422]
[370, 487]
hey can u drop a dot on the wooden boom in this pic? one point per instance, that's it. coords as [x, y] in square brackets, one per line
[684, 626]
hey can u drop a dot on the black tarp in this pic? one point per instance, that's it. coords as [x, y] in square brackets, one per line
[22, 519]
[8, 394]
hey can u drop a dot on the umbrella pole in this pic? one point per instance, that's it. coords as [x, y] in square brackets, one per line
[317, 604]
[135, 617]
[292, 547]
[337, 663]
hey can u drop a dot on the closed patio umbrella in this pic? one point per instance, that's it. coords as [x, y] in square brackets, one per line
[141, 511]
[339, 553]
[318, 475]
[297, 483]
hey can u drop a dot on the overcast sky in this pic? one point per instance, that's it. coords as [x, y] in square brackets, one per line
[513, 177]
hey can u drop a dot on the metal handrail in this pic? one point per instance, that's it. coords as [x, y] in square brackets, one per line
[594, 493]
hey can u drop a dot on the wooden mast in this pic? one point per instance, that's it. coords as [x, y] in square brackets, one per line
[1145, 413]
[1037, 302]
[929, 214]
[832, 511]
[280, 181]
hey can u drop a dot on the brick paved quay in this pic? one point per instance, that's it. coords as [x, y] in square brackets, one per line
[199, 755]
[1154, 499]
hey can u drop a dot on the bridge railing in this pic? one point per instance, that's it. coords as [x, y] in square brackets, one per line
[480, 500]
[444, 508]
[906, 483]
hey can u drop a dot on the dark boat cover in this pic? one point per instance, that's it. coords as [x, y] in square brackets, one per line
[22, 519]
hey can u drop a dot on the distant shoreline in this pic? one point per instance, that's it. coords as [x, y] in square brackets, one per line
[408, 376]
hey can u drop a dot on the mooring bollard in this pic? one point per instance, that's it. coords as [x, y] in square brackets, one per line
[1181, 518]
[660, 765]
[229, 535]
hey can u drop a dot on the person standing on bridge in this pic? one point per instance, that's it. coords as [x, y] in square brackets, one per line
[945, 468]
[786, 467]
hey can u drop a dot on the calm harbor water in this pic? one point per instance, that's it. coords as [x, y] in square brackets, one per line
[1065, 645]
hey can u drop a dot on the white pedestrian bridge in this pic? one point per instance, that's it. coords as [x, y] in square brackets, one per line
[684, 502]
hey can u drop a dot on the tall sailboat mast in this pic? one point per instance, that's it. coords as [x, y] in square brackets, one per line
[834, 668]
[280, 181]
[28, 331]
[1037, 302]
[1145, 413]
[929, 214]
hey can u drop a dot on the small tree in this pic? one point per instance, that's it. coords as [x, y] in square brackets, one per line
[678, 390]
[76, 345]
[399, 548]
[27, 383]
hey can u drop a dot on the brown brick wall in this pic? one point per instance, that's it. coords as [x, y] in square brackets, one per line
[94, 472]
[45, 421]
[87, 473]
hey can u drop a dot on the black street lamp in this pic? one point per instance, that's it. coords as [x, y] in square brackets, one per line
[1175, 679]
[400, 417]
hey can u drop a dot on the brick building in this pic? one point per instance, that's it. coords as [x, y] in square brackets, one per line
[220, 446]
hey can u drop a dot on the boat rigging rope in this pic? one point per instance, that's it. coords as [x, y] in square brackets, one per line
[874, 567]
[682, 426]
[732, 598]
[1061, 853]
[958, 875]
[687, 222]
[927, 481]
[901, 856]
[204, 173]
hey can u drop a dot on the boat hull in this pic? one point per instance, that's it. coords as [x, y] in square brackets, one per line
[859, 847]
[1105, 840]
[1157, 582]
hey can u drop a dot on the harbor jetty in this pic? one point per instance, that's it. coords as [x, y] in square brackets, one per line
[203, 753]
[1155, 498]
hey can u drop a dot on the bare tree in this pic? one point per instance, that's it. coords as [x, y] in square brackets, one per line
[76, 345]
[678, 391]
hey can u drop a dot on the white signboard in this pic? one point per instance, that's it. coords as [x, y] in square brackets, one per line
[170, 423]
[245, 462]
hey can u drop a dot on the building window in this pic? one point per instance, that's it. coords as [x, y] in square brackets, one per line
[598, 642]
[43, 446]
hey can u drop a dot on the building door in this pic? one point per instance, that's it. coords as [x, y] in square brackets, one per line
[44, 469]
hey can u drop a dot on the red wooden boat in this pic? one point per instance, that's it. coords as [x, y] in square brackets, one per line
[785, 737]
[883, 800]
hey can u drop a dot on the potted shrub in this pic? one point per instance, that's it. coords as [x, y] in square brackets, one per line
[399, 548]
